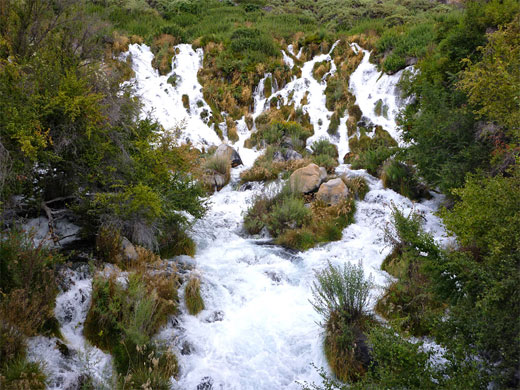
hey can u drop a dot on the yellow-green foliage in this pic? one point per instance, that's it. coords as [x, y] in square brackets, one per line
[500, 66]
[192, 297]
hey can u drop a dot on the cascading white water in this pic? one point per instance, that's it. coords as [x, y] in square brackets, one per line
[163, 100]
[370, 87]
[259, 330]
[65, 367]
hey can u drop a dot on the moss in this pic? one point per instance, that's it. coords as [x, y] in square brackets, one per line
[231, 129]
[268, 87]
[334, 124]
[186, 102]
[162, 47]
[192, 297]
[355, 112]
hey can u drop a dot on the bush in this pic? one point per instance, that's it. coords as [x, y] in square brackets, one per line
[325, 154]
[340, 295]
[27, 282]
[194, 302]
[409, 302]
[401, 178]
[289, 213]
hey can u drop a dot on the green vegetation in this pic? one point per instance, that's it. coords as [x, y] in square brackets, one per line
[192, 296]
[28, 291]
[402, 178]
[294, 225]
[123, 318]
[340, 296]
[325, 154]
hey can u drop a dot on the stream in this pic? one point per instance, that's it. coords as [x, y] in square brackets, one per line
[259, 330]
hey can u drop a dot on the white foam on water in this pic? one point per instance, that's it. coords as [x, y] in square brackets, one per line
[64, 371]
[370, 86]
[164, 101]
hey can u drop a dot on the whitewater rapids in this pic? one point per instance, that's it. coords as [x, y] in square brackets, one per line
[259, 330]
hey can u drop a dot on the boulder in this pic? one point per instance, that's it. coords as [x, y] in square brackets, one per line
[288, 155]
[231, 154]
[333, 191]
[307, 179]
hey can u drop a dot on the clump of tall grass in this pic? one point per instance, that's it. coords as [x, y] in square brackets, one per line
[341, 296]
[192, 297]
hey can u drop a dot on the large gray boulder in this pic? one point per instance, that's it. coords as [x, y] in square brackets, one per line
[307, 179]
[226, 151]
[332, 192]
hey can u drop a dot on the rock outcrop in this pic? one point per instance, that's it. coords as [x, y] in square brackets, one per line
[307, 179]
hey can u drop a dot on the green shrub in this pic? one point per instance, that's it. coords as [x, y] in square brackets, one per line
[401, 178]
[27, 283]
[290, 213]
[409, 302]
[325, 154]
[340, 296]
[194, 302]
[372, 159]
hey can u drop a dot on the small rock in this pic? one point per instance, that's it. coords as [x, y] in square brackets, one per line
[292, 155]
[206, 383]
[64, 350]
[215, 316]
[186, 348]
[333, 191]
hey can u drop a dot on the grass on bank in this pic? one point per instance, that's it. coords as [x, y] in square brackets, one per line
[123, 318]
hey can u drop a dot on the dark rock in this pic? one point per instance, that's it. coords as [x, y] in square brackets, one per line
[362, 350]
[186, 348]
[287, 142]
[206, 383]
[64, 350]
[215, 316]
